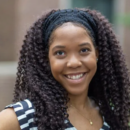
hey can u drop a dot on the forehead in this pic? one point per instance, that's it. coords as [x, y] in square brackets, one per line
[70, 37]
[68, 25]
[70, 33]
[69, 30]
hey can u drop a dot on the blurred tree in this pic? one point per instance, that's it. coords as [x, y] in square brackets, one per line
[123, 19]
[104, 6]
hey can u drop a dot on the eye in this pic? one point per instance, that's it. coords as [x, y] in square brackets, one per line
[60, 53]
[84, 50]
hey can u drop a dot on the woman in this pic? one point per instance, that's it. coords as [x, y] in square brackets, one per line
[71, 76]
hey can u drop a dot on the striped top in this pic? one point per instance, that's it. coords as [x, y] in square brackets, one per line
[25, 114]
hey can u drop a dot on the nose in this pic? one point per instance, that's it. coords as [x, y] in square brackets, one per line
[74, 62]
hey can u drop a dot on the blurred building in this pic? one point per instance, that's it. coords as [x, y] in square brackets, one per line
[18, 15]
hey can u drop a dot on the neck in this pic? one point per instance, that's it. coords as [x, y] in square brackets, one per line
[79, 101]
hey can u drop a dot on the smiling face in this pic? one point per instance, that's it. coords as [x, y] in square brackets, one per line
[72, 57]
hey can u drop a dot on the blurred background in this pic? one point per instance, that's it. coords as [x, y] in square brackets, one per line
[16, 16]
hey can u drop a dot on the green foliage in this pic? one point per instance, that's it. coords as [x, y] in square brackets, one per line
[122, 19]
[129, 124]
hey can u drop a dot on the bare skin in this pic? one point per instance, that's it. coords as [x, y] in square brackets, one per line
[8, 120]
[80, 117]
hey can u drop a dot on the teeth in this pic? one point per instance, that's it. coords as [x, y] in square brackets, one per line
[74, 77]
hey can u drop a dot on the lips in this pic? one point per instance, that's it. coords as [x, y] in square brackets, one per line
[75, 76]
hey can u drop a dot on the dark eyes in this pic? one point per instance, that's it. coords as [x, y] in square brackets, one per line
[62, 53]
[84, 50]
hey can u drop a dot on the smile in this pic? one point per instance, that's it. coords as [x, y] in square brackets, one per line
[75, 76]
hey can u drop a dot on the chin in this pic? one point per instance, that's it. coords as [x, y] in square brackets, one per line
[77, 92]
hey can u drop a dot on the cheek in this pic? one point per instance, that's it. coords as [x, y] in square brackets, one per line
[53, 65]
[56, 67]
[91, 62]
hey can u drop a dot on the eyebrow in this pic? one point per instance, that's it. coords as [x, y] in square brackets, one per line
[58, 46]
[83, 44]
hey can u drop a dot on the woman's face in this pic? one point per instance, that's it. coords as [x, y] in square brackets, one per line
[73, 58]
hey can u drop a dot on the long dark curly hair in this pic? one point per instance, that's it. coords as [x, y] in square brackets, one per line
[109, 85]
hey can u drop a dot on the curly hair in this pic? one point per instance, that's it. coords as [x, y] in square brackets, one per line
[109, 85]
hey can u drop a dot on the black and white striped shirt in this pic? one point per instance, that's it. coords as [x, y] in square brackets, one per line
[25, 114]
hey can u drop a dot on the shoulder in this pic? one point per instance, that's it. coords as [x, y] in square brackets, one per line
[22, 112]
[8, 120]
